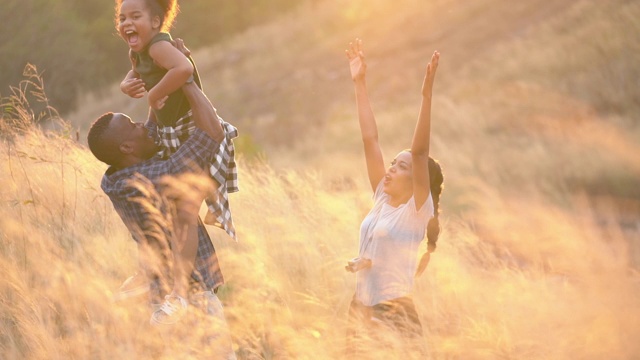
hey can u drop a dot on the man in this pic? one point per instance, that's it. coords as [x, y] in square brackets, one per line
[134, 183]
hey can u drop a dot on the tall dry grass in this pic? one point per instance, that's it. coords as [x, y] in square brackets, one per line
[540, 251]
[514, 277]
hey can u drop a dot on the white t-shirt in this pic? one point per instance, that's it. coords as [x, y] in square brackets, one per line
[390, 237]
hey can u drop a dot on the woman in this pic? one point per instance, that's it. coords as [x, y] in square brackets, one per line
[406, 198]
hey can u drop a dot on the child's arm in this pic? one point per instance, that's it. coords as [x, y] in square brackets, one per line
[179, 70]
[132, 85]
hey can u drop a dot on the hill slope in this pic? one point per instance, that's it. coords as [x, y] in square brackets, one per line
[292, 71]
[531, 73]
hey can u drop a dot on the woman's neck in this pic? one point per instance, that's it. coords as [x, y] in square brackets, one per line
[396, 201]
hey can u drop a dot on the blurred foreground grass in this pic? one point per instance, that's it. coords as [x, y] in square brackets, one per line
[518, 277]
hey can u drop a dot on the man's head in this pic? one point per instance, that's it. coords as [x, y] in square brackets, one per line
[116, 140]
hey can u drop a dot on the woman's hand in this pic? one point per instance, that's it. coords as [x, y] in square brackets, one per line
[430, 75]
[357, 65]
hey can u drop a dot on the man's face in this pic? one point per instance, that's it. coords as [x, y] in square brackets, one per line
[133, 137]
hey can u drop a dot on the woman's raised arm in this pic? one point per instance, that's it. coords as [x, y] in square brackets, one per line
[422, 136]
[368, 127]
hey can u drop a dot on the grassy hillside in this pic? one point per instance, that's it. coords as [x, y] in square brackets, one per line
[534, 124]
[506, 67]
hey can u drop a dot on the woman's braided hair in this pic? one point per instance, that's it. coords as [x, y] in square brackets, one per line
[436, 181]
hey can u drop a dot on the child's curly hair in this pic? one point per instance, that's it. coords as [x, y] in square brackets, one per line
[166, 10]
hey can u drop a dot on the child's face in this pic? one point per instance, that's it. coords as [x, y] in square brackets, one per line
[136, 25]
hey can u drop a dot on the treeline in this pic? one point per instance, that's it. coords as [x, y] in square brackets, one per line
[74, 44]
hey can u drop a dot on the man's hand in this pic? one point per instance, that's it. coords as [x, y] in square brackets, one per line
[179, 44]
[157, 104]
[357, 65]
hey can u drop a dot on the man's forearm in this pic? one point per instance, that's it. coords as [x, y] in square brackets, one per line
[203, 113]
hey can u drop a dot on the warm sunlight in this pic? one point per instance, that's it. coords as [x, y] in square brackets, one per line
[533, 121]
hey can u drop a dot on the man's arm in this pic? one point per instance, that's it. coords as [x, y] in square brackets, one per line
[203, 113]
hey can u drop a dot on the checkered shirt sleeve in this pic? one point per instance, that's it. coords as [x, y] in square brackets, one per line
[222, 168]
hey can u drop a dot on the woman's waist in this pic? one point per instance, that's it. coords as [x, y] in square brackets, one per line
[372, 295]
[377, 281]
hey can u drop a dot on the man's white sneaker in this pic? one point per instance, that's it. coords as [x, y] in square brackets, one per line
[171, 311]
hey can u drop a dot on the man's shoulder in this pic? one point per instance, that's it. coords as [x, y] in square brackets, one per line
[122, 182]
[113, 184]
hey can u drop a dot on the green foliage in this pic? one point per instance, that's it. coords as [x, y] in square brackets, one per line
[57, 37]
[75, 44]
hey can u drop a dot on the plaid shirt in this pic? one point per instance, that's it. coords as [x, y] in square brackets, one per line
[222, 167]
[146, 214]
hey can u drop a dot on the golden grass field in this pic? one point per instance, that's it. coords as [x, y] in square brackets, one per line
[534, 122]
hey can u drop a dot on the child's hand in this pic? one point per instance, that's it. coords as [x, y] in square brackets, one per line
[133, 87]
[357, 64]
